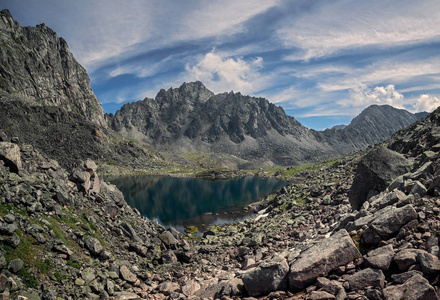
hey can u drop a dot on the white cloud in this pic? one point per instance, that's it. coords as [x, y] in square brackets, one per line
[341, 25]
[426, 103]
[221, 73]
[362, 96]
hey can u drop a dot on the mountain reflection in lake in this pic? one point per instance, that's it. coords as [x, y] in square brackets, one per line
[188, 201]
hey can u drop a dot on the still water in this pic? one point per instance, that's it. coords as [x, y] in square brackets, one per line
[188, 201]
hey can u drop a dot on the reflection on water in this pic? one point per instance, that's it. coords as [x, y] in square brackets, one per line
[189, 201]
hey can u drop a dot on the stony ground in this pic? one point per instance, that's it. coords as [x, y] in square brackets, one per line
[69, 235]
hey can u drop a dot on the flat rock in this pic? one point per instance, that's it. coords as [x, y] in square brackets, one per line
[321, 295]
[414, 288]
[267, 277]
[320, 259]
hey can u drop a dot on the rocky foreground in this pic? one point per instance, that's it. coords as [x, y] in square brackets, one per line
[70, 235]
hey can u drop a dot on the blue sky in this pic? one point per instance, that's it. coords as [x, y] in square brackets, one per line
[322, 61]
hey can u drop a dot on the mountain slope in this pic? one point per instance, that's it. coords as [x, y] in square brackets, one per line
[373, 125]
[192, 119]
[46, 100]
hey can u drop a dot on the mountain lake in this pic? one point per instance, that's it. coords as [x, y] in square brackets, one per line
[181, 202]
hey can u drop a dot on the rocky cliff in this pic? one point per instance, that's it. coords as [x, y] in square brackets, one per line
[192, 119]
[38, 67]
[46, 101]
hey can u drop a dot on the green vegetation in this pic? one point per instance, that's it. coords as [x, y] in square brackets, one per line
[191, 229]
[73, 264]
[28, 278]
[58, 276]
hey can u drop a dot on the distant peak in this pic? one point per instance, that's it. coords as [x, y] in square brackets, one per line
[6, 13]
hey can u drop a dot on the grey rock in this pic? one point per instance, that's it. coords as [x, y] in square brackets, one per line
[49, 294]
[415, 288]
[126, 296]
[380, 258]
[13, 241]
[127, 275]
[93, 245]
[321, 295]
[8, 229]
[387, 223]
[406, 258]
[10, 155]
[366, 278]
[88, 274]
[320, 259]
[429, 263]
[15, 265]
[169, 257]
[376, 171]
[419, 189]
[2, 262]
[190, 288]
[403, 277]
[269, 276]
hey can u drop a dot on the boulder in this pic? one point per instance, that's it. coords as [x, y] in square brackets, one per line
[93, 245]
[15, 265]
[10, 155]
[127, 275]
[380, 258]
[414, 288]
[366, 278]
[387, 222]
[320, 259]
[267, 277]
[375, 172]
[406, 258]
[429, 263]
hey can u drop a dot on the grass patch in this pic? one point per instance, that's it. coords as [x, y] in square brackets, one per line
[6, 209]
[73, 264]
[58, 276]
[28, 278]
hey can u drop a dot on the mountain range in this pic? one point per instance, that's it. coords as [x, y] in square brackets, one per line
[46, 100]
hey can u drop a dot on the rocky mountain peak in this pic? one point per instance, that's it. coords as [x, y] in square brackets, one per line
[37, 66]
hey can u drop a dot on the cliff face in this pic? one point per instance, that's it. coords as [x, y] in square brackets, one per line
[37, 66]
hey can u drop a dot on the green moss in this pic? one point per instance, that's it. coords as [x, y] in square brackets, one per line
[6, 209]
[191, 229]
[58, 276]
[44, 266]
[28, 278]
[73, 264]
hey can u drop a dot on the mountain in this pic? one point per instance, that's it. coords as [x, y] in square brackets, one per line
[373, 125]
[46, 100]
[192, 119]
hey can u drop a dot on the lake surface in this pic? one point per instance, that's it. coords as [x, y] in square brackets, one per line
[188, 201]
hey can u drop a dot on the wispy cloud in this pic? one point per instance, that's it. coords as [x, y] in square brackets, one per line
[344, 25]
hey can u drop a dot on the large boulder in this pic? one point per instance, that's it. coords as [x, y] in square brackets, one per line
[375, 172]
[320, 259]
[267, 277]
[387, 222]
[10, 155]
[414, 288]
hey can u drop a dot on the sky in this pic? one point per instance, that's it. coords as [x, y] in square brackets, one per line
[322, 61]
